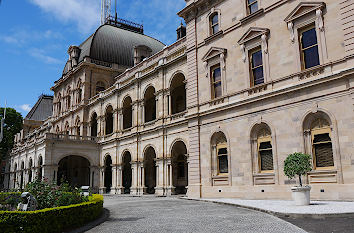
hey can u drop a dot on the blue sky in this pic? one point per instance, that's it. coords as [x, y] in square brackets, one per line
[35, 36]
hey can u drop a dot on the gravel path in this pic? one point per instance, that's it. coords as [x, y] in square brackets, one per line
[152, 214]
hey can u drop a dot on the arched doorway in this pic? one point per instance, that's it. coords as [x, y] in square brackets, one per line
[75, 170]
[126, 173]
[30, 171]
[22, 175]
[150, 170]
[108, 173]
[179, 168]
[40, 168]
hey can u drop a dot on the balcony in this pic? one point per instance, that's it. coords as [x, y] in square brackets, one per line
[66, 137]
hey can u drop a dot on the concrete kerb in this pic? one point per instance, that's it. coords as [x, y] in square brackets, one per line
[277, 214]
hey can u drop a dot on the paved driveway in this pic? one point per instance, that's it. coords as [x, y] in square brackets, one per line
[162, 214]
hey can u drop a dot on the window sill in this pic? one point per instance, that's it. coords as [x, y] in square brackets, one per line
[214, 37]
[311, 72]
[258, 88]
[252, 16]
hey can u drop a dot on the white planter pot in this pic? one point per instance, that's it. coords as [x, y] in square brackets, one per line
[301, 195]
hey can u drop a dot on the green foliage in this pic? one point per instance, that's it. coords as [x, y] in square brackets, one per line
[9, 201]
[50, 195]
[53, 220]
[297, 164]
[13, 125]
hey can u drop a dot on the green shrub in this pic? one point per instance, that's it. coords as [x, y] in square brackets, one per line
[9, 201]
[50, 195]
[52, 219]
[297, 164]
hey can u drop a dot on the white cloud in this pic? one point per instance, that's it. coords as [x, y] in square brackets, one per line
[84, 13]
[40, 54]
[21, 36]
[25, 107]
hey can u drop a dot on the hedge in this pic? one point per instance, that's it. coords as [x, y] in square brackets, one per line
[52, 219]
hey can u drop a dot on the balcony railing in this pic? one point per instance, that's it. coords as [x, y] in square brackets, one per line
[70, 137]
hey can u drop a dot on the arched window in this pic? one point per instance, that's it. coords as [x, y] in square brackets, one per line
[94, 125]
[178, 94]
[57, 130]
[214, 23]
[22, 175]
[68, 99]
[67, 128]
[262, 148]
[79, 92]
[40, 168]
[15, 175]
[109, 120]
[30, 164]
[100, 86]
[77, 127]
[150, 104]
[127, 113]
[220, 159]
[59, 103]
[318, 138]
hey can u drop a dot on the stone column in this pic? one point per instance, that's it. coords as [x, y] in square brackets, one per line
[169, 177]
[120, 120]
[134, 188]
[142, 113]
[160, 189]
[102, 188]
[168, 104]
[115, 121]
[114, 188]
[119, 180]
[141, 178]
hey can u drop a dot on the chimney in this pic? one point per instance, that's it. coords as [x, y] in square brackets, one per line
[181, 31]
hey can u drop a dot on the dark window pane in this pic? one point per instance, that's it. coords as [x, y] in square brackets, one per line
[251, 1]
[324, 155]
[309, 38]
[265, 145]
[217, 90]
[215, 19]
[217, 74]
[222, 151]
[257, 59]
[215, 29]
[223, 164]
[258, 76]
[266, 160]
[322, 138]
[253, 8]
[311, 57]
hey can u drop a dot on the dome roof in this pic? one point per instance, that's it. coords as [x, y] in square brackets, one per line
[115, 45]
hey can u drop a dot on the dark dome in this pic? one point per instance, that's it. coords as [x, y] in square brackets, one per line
[115, 45]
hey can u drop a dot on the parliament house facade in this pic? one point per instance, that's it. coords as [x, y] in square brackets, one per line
[215, 114]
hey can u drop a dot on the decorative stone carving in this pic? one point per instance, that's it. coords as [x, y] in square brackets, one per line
[291, 30]
[319, 19]
[29, 203]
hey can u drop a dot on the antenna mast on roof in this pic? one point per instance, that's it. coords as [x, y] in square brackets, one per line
[105, 10]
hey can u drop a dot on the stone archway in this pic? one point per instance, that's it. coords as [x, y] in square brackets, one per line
[108, 173]
[75, 170]
[179, 168]
[150, 170]
[126, 173]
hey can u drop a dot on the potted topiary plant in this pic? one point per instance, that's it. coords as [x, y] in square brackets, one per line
[298, 164]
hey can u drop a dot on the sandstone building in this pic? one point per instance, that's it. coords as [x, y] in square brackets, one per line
[213, 115]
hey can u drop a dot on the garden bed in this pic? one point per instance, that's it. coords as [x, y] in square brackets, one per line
[52, 219]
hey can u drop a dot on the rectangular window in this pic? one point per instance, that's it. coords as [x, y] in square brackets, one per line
[214, 23]
[309, 47]
[256, 65]
[322, 150]
[252, 6]
[223, 165]
[265, 154]
[216, 82]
